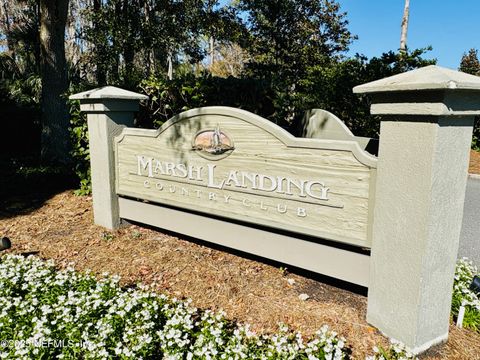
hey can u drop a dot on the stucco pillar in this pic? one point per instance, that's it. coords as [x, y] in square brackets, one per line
[425, 135]
[108, 110]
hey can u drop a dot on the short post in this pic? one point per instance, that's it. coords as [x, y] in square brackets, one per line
[108, 110]
[425, 136]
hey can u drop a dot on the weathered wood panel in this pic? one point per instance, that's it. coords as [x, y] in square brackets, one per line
[309, 186]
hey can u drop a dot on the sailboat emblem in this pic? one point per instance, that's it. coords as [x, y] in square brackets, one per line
[212, 143]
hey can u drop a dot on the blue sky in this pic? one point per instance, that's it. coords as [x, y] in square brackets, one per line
[450, 27]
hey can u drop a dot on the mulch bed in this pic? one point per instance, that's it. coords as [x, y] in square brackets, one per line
[261, 294]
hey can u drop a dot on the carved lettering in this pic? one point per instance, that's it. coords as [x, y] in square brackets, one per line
[182, 171]
[195, 172]
[323, 190]
[251, 177]
[143, 164]
[314, 189]
[170, 169]
[246, 202]
[233, 178]
[302, 212]
[262, 184]
[159, 168]
[211, 177]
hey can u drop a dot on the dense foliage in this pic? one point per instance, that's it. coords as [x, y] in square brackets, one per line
[476, 134]
[170, 97]
[276, 58]
[80, 148]
[471, 65]
[287, 38]
[326, 87]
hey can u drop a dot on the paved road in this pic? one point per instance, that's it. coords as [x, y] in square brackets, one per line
[470, 235]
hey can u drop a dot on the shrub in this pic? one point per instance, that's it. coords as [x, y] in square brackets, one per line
[168, 98]
[476, 134]
[80, 148]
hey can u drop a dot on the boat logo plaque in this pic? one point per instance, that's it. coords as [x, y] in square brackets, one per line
[212, 144]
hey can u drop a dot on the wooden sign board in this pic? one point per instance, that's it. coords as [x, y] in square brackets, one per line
[236, 165]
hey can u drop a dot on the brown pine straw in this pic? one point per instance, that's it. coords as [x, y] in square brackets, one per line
[474, 162]
[248, 290]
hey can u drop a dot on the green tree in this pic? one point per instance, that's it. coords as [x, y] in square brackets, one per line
[469, 63]
[133, 39]
[330, 87]
[19, 24]
[287, 38]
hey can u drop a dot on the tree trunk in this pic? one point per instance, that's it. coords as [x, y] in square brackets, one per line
[55, 117]
[128, 46]
[38, 45]
[72, 52]
[100, 73]
[115, 48]
[403, 36]
[170, 66]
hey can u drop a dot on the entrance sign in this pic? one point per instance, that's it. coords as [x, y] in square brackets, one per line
[233, 164]
[321, 202]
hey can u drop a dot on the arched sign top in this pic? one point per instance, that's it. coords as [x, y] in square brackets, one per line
[200, 114]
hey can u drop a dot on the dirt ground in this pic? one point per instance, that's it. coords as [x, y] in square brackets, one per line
[262, 294]
[474, 162]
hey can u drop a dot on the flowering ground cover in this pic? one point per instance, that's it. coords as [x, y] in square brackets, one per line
[463, 295]
[250, 291]
[50, 313]
[47, 313]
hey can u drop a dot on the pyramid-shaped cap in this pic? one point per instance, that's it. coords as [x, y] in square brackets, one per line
[108, 92]
[427, 78]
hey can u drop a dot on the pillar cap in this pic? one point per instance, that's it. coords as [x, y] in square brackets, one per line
[108, 99]
[108, 92]
[430, 77]
[428, 91]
